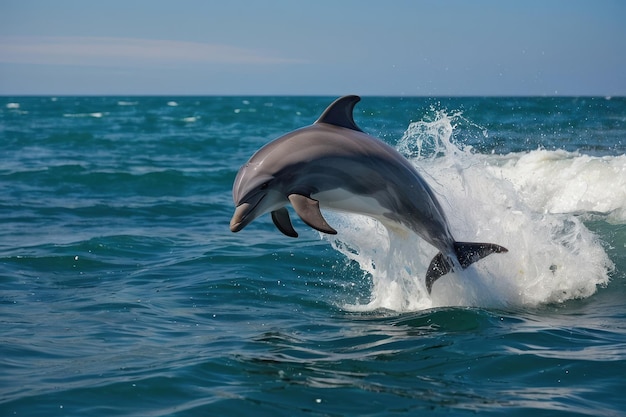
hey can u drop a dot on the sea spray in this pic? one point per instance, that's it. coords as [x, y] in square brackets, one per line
[552, 256]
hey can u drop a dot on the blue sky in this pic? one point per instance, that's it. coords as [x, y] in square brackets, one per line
[321, 47]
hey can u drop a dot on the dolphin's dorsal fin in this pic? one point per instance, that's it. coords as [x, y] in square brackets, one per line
[309, 211]
[339, 113]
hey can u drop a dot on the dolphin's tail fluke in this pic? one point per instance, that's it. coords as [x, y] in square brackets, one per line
[466, 253]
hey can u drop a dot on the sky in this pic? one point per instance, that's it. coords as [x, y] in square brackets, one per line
[321, 47]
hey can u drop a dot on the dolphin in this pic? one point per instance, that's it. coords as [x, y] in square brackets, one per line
[334, 165]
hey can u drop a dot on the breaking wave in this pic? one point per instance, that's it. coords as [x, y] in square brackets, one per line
[534, 203]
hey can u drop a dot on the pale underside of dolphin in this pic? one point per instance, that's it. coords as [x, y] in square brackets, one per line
[334, 165]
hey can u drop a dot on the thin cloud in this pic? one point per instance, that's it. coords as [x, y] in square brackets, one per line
[110, 51]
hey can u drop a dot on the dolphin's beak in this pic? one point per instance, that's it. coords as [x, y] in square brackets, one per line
[238, 221]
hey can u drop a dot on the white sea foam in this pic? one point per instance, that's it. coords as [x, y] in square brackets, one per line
[96, 115]
[565, 182]
[533, 203]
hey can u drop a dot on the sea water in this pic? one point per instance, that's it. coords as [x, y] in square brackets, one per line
[122, 291]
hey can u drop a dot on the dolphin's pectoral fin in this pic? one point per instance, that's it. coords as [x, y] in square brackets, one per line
[309, 211]
[282, 221]
[438, 267]
[466, 252]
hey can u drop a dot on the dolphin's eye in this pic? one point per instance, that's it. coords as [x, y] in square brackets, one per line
[264, 185]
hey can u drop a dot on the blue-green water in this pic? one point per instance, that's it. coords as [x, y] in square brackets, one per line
[123, 292]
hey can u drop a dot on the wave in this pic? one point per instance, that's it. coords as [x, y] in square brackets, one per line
[568, 182]
[534, 203]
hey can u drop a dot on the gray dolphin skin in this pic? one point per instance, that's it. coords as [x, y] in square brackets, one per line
[334, 165]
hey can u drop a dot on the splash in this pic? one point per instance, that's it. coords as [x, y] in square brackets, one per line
[532, 203]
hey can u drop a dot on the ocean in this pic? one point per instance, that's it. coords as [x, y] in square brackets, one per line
[124, 293]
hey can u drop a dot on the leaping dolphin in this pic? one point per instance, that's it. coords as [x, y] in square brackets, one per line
[334, 165]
